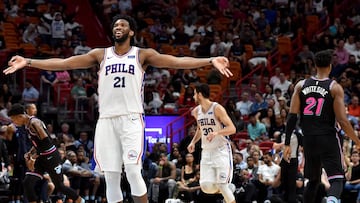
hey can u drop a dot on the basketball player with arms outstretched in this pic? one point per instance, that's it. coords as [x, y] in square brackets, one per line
[119, 134]
[214, 125]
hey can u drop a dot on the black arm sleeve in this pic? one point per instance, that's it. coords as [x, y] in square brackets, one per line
[290, 126]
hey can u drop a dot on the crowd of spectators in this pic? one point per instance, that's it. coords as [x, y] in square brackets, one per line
[189, 28]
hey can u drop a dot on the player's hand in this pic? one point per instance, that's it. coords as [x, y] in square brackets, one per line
[222, 64]
[211, 136]
[191, 148]
[287, 153]
[15, 63]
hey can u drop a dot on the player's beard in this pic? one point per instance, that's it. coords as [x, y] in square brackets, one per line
[121, 39]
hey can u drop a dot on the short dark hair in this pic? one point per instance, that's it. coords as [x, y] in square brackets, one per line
[204, 89]
[16, 109]
[129, 19]
[323, 58]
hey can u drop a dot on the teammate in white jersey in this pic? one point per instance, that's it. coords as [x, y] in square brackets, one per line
[119, 131]
[213, 127]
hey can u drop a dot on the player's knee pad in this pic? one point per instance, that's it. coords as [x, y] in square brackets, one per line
[226, 192]
[31, 182]
[113, 189]
[209, 188]
[136, 181]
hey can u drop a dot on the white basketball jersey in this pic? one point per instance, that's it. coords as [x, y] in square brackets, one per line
[120, 84]
[209, 123]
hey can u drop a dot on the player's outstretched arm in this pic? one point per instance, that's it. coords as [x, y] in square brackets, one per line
[153, 58]
[55, 64]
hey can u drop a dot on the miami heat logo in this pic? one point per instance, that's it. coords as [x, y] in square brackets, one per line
[132, 155]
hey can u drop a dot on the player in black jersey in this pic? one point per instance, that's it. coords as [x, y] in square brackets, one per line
[319, 101]
[43, 156]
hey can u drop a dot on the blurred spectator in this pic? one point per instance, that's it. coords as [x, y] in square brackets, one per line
[218, 48]
[239, 163]
[149, 169]
[193, 77]
[30, 94]
[269, 93]
[88, 183]
[306, 53]
[125, 6]
[151, 104]
[189, 27]
[44, 30]
[349, 45]
[269, 119]
[171, 100]
[277, 128]
[82, 48]
[164, 180]
[48, 80]
[337, 68]
[156, 28]
[244, 104]
[175, 157]
[179, 79]
[354, 107]
[346, 85]
[256, 129]
[86, 142]
[70, 26]
[190, 191]
[181, 38]
[186, 100]
[75, 173]
[213, 77]
[63, 77]
[237, 50]
[267, 177]
[352, 69]
[276, 77]
[30, 35]
[5, 93]
[239, 121]
[57, 30]
[186, 141]
[110, 8]
[52, 134]
[259, 104]
[262, 23]
[11, 9]
[78, 93]
[66, 137]
[195, 42]
[247, 35]
[163, 37]
[353, 175]
[140, 41]
[356, 51]
[246, 152]
[283, 84]
[341, 53]
[4, 108]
